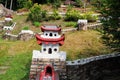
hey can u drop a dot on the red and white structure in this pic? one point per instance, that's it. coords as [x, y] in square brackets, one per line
[50, 55]
[50, 41]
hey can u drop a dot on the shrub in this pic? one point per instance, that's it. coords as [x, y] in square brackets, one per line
[28, 4]
[37, 24]
[79, 3]
[69, 24]
[90, 17]
[21, 3]
[72, 15]
[56, 3]
[25, 28]
[55, 15]
[36, 13]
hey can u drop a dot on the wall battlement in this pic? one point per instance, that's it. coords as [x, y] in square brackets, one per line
[103, 67]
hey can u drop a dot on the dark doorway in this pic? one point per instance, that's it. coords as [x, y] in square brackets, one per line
[49, 70]
[49, 51]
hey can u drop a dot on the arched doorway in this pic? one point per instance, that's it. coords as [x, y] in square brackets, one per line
[49, 70]
[49, 51]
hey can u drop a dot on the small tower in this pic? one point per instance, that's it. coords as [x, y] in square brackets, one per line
[50, 40]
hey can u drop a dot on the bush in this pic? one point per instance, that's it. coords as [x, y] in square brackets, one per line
[55, 15]
[36, 14]
[37, 24]
[79, 3]
[72, 15]
[28, 4]
[25, 28]
[21, 3]
[90, 17]
[69, 24]
[56, 3]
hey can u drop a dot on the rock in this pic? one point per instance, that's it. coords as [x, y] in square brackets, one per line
[9, 36]
[4, 11]
[25, 35]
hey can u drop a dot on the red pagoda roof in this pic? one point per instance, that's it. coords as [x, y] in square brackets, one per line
[41, 40]
[9, 16]
[50, 28]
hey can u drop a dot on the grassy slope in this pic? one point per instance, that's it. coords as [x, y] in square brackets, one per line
[17, 54]
[21, 23]
[84, 44]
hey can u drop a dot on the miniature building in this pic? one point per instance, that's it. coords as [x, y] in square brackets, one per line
[82, 24]
[49, 54]
[9, 24]
[50, 41]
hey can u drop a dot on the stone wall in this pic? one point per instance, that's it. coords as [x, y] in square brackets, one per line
[10, 37]
[103, 67]
[24, 35]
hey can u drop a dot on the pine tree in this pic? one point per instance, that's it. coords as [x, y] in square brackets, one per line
[110, 9]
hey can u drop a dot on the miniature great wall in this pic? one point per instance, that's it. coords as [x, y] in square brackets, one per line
[51, 64]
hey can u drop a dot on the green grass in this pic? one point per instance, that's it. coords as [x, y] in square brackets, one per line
[19, 67]
[70, 24]
[18, 54]
[83, 44]
[21, 23]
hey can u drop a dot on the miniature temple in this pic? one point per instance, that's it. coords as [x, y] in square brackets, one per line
[49, 55]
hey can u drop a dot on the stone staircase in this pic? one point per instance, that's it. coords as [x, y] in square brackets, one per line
[3, 69]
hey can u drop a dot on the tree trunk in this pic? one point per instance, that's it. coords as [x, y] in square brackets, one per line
[6, 4]
[11, 4]
[85, 1]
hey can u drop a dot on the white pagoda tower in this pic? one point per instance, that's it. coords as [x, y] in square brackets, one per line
[50, 41]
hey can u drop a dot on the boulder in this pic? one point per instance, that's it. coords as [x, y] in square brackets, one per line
[4, 11]
[25, 35]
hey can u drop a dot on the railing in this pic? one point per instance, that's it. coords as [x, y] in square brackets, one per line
[94, 26]
[89, 26]
[9, 27]
[90, 59]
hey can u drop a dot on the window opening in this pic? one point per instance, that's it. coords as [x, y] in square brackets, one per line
[49, 51]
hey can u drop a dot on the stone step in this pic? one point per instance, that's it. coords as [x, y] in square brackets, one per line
[3, 69]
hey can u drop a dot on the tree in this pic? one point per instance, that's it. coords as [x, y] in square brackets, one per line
[6, 3]
[111, 11]
[21, 3]
[36, 13]
[28, 4]
[11, 4]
